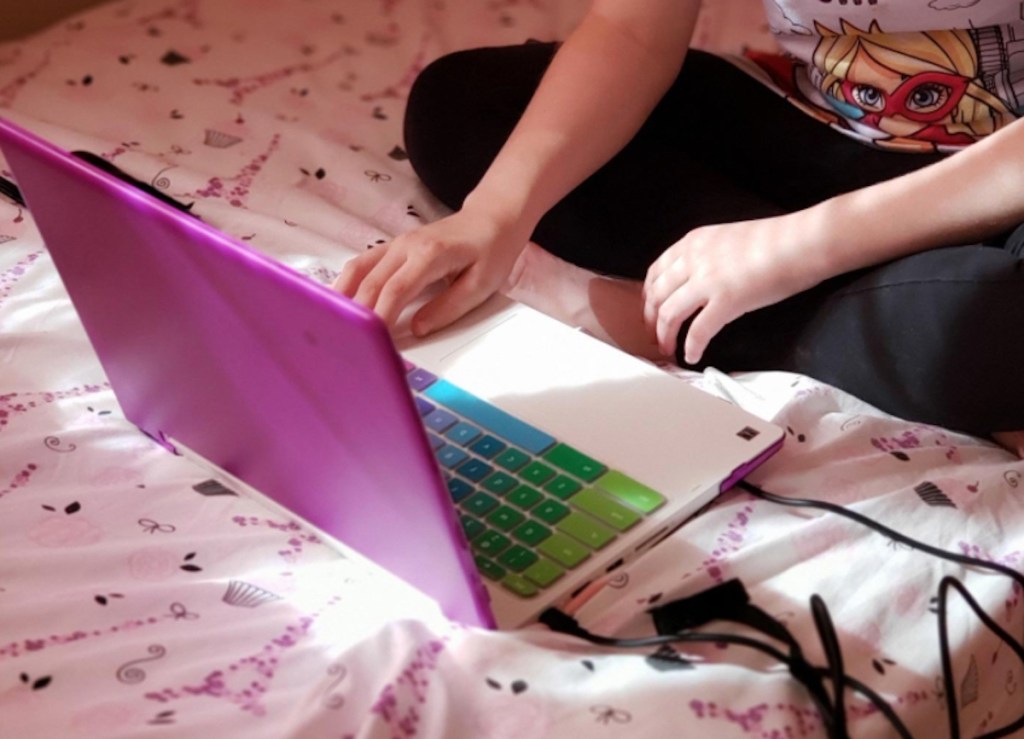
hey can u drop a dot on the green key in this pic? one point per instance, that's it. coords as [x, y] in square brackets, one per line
[574, 462]
[583, 527]
[532, 533]
[505, 518]
[525, 497]
[520, 586]
[631, 492]
[551, 511]
[491, 542]
[472, 527]
[500, 483]
[517, 558]
[563, 487]
[488, 569]
[602, 507]
[544, 572]
[480, 504]
[536, 472]
[567, 552]
[512, 459]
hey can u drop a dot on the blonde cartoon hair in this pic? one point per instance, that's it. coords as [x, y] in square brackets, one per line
[978, 113]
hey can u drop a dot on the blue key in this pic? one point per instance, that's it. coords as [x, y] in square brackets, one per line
[439, 420]
[462, 433]
[459, 489]
[436, 442]
[490, 417]
[449, 456]
[423, 406]
[475, 470]
[488, 446]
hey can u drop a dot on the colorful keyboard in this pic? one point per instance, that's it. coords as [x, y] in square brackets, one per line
[532, 507]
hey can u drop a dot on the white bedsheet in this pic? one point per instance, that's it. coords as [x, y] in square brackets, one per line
[132, 604]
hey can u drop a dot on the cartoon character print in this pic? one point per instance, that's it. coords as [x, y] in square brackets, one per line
[907, 86]
[914, 90]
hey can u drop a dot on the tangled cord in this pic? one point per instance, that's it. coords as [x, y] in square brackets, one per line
[729, 602]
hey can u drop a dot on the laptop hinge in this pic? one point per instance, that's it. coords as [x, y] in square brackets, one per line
[161, 438]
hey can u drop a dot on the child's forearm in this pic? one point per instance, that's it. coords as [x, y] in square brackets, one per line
[601, 86]
[973, 194]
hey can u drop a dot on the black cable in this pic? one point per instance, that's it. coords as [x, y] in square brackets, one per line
[114, 171]
[947, 665]
[11, 190]
[730, 602]
[944, 585]
[563, 623]
[882, 529]
[834, 656]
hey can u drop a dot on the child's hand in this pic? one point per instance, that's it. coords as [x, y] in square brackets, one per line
[721, 272]
[472, 252]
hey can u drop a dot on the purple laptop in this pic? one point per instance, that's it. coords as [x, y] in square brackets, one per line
[274, 378]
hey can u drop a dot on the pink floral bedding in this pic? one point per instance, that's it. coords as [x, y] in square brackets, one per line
[139, 598]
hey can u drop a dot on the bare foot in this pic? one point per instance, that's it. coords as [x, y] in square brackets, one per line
[608, 308]
[1012, 440]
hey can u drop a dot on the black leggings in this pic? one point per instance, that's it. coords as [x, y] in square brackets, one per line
[937, 337]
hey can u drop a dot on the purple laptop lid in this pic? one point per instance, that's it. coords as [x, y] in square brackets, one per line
[283, 383]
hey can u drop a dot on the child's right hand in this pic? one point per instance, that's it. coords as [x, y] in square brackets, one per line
[472, 251]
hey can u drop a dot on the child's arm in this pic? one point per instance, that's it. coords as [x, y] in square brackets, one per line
[727, 270]
[601, 86]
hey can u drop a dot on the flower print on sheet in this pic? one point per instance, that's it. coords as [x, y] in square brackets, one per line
[508, 709]
[28, 694]
[400, 705]
[240, 88]
[241, 594]
[175, 613]
[315, 180]
[791, 719]
[65, 528]
[155, 564]
[9, 278]
[9, 92]
[245, 681]
[21, 479]
[941, 491]
[728, 541]
[237, 192]
[296, 540]
[132, 672]
[1013, 560]
[184, 11]
[398, 88]
[918, 438]
[17, 404]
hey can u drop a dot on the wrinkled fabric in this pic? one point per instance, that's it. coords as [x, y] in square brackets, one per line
[134, 599]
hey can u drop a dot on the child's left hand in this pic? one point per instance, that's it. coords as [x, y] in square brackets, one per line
[721, 272]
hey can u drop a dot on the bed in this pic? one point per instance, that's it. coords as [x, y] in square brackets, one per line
[137, 598]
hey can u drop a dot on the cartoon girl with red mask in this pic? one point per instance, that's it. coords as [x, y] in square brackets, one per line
[906, 89]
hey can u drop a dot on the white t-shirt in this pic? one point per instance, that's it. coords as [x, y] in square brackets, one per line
[903, 74]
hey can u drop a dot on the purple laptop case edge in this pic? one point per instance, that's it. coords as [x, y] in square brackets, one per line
[278, 380]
